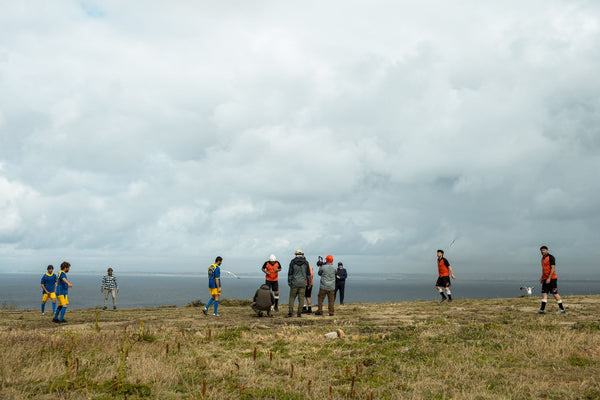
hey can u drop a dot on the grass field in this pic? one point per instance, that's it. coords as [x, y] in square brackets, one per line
[469, 349]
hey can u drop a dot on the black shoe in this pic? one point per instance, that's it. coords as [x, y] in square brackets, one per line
[449, 300]
[55, 320]
[64, 321]
[443, 299]
[276, 309]
[331, 315]
[204, 311]
[298, 315]
[104, 308]
[309, 311]
[114, 307]
[289, 316]
[319, 313]
[260, 314]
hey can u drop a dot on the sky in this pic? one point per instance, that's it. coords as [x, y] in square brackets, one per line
[150, 137]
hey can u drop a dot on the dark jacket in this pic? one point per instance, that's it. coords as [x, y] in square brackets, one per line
[299, 272]
[342, 273]
[264, 298]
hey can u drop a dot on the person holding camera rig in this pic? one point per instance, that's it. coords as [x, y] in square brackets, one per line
[327, 285]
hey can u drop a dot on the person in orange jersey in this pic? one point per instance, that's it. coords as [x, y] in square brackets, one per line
[549, 281]
[444, 274]
[271, 269]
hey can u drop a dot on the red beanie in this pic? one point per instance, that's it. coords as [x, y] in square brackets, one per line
[329, 259]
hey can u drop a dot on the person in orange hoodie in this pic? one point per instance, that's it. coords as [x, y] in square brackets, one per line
[307, 309]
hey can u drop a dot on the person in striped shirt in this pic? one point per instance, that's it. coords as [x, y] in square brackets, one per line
[109, 285]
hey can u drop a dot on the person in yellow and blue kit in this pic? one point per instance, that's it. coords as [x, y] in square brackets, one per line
[48, 284]
[214, 286]
[62, 293]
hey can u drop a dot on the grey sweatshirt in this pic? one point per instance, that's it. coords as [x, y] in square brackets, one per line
[327, 274]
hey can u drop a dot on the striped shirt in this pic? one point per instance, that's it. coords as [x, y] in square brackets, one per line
[109, 282]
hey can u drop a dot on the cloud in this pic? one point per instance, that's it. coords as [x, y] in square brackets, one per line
[161, 136]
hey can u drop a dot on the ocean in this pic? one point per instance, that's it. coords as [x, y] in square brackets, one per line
[22, 290]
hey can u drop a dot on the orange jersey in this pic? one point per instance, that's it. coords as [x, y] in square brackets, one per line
[547, 263]
[443, 265]
[271, 270]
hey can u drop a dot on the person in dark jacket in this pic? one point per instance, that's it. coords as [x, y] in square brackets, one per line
[263, 300]
[298, 275]
[340, 281]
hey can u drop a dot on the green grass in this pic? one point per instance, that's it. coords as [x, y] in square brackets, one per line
[472, 349]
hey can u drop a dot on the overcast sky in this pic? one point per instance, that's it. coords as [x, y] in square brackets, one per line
[151, 137]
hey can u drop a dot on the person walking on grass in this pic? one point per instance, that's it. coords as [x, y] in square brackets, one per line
[444, 274]
[298, 274]
[549, 281]
[48, 284]
[327, 285]
[271, 269]
[214, 286]
[62, 293]
[307, 309]
[340, 281]
[263, 300]
[109, 285]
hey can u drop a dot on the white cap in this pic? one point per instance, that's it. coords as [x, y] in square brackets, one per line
[299, 252]
[272, 258]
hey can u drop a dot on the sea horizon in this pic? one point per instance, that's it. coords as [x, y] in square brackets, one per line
[21, 290]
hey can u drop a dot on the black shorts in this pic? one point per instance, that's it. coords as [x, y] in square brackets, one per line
[443, 281]
[308, 291]
[550, 287]
[273, 285]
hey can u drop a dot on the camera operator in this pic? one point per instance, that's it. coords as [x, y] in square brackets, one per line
[327, 285]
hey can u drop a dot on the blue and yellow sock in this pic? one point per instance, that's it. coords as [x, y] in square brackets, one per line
[62, 313]
[43, 307]
[53, 308]
[209, 302]
[216, 305]
[57, 312]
